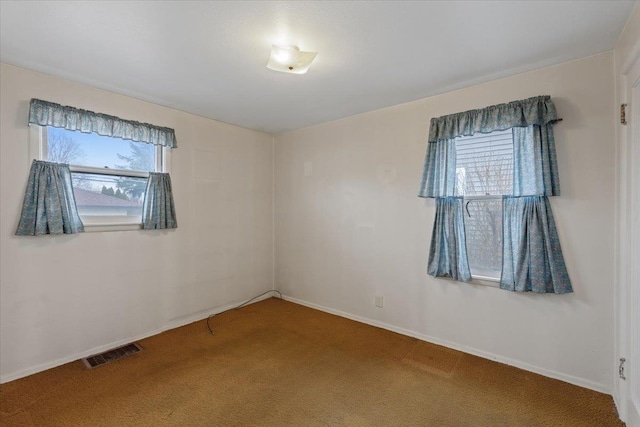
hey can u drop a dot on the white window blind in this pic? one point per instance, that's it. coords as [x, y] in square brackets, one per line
[486, 160]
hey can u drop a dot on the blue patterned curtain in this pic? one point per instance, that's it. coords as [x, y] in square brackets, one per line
[535, 167]
[532, 257]
[439, 175]
[448, 252]
[158, 210]
[45, 113]
[49, 205]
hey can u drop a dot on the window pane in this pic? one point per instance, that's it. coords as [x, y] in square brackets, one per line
[90, 149]
[483, 226]
[108, 195]
[484, 164]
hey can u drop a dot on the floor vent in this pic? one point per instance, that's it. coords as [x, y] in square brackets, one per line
[111, 355]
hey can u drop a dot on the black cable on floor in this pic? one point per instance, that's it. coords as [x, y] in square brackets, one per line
[240, 306]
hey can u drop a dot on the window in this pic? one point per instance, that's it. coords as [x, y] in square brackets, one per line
[109, 174]
[484, 172]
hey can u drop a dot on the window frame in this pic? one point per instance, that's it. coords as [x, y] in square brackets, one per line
[38, 144]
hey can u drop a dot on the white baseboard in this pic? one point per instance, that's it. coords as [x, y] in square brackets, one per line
[172, 324]
[480, 353]
[204, 314]
[621, 404]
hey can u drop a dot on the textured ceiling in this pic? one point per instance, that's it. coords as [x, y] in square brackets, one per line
[209, 58]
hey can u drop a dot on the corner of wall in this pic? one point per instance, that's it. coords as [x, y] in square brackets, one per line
[273, 212]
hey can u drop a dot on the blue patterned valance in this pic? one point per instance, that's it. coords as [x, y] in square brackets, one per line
[45, 113]
[538, 110]
[535, 163]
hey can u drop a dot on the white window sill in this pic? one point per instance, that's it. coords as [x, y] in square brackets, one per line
[478, 280]
[95, 228]
[485, 281]
[99, 223]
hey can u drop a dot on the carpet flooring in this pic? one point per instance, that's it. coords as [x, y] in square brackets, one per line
[275, 363]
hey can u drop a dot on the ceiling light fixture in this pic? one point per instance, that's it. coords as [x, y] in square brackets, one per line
[290, 59]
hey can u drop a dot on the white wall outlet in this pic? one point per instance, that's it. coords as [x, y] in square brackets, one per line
[379, 301]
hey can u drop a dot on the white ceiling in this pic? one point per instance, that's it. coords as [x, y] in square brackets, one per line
[209, 58]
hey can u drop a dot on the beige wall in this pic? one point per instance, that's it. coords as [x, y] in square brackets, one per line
[63, 296]
[349, 225]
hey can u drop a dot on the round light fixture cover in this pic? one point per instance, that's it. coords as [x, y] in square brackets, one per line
[290, 59]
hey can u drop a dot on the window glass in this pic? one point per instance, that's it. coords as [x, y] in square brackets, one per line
[93, 150]
[484, 172]
[483, 226]
[109, 175]
[108, 195]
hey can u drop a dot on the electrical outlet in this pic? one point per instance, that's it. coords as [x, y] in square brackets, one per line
[379, 301]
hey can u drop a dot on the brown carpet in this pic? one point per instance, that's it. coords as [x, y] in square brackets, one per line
[275, 363]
